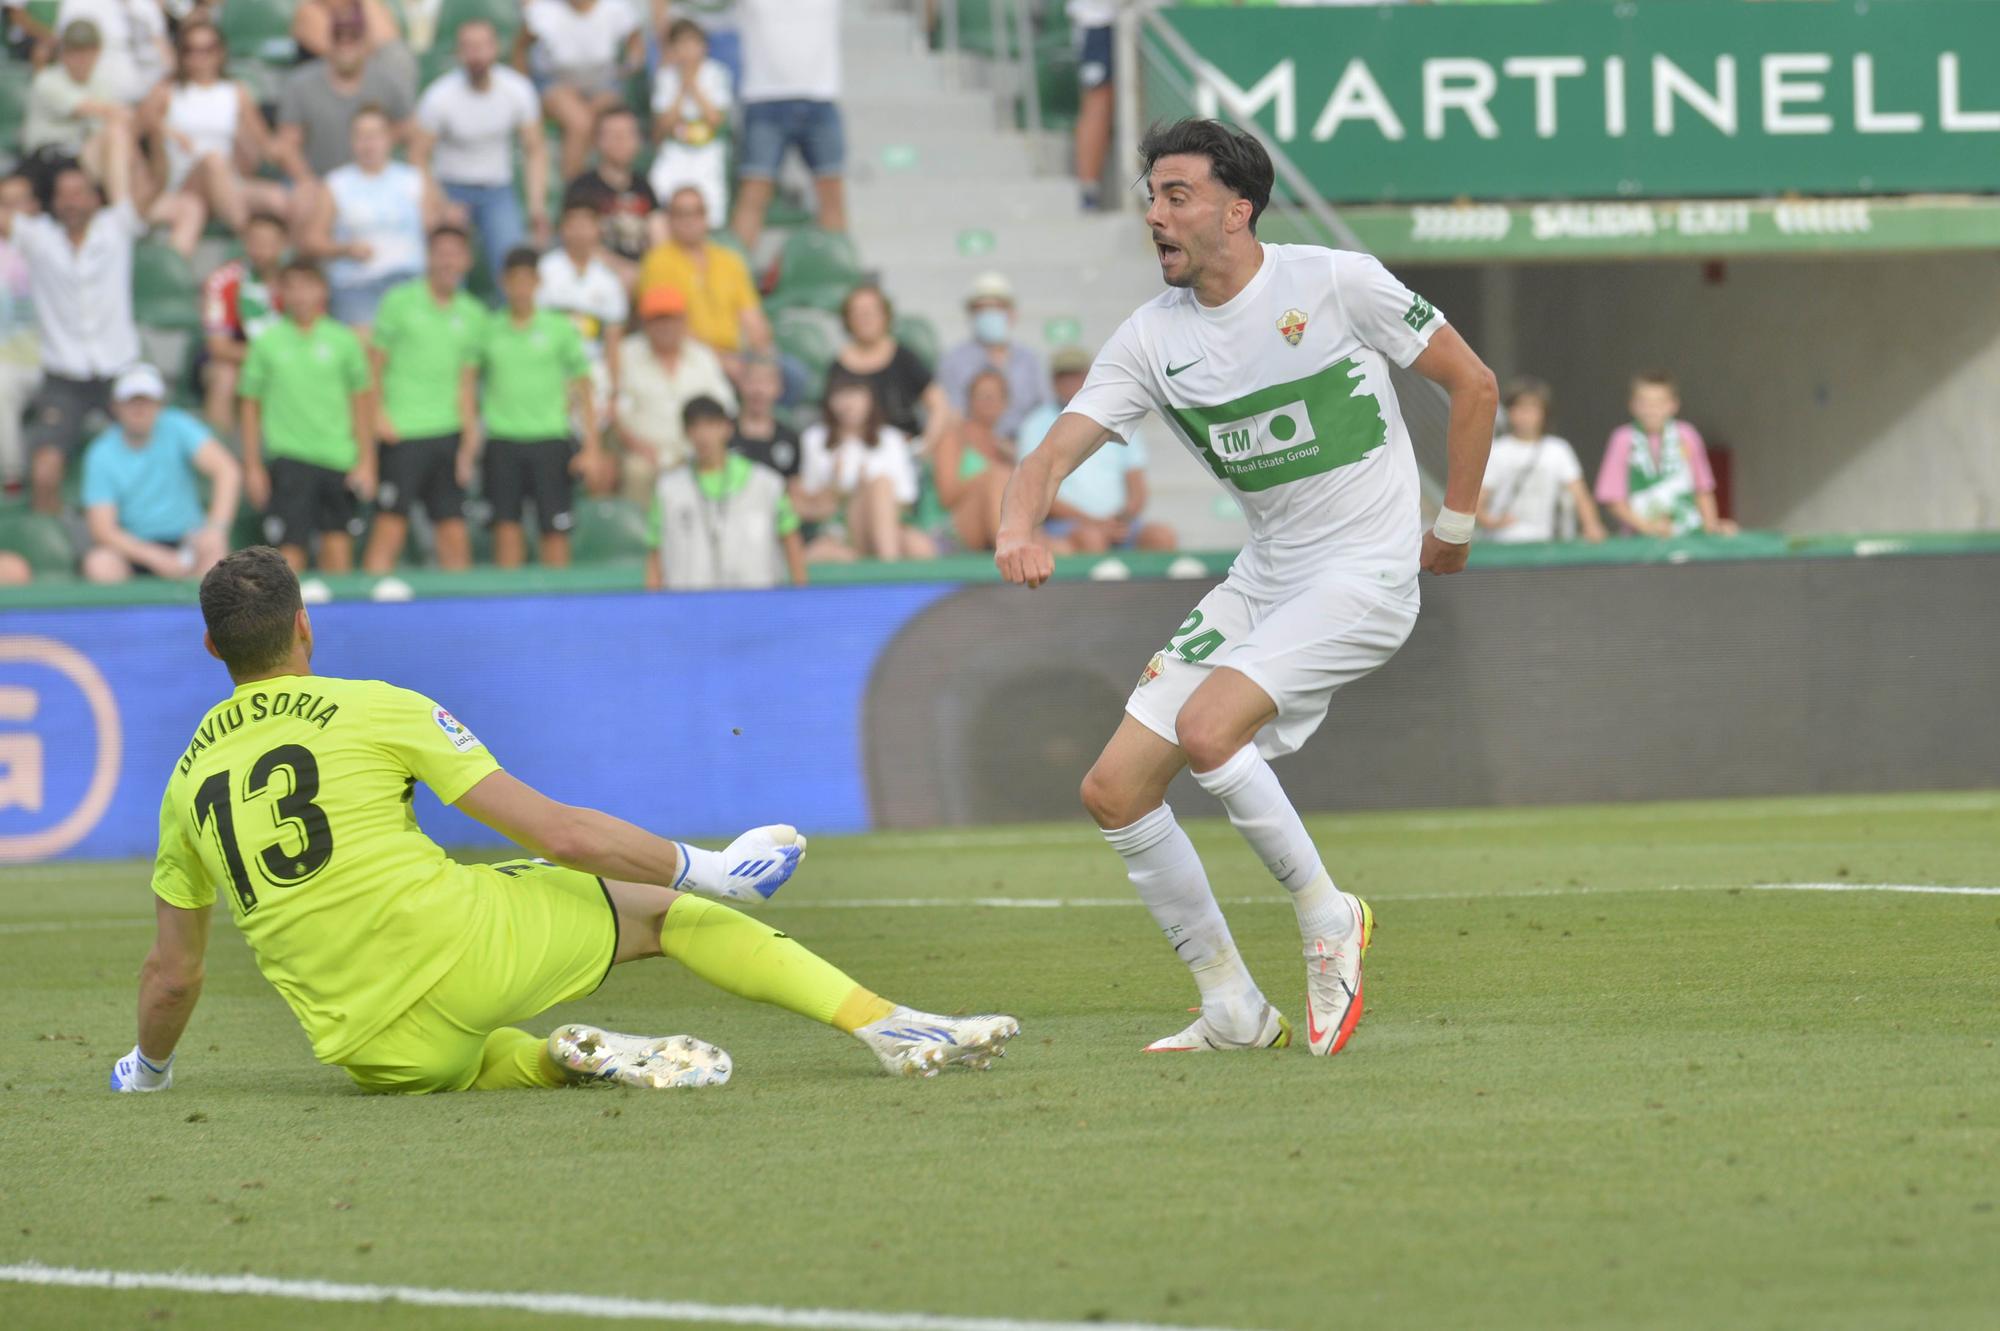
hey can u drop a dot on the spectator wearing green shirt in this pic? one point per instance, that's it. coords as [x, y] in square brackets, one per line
[719, 519]
[536, 376]
[425, 349]
[306, 405]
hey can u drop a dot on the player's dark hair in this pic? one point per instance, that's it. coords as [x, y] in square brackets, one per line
[1235, 158]
[871, 429]
[1655, 379]
[521, 256]
[702, 407]
[250, 601]
[1529, 386]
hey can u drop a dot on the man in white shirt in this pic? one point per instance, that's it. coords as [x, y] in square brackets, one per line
[577, 281]
[1272, 363]
[1529, 475]
[790, 94]
[468, 121]
[660, 370]
[79, 258]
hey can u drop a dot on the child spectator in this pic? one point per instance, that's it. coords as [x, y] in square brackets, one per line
[1532, 476]
[536, 375]
[306, 408]
[236, 305]
[581, 52]
[577, 282]
[858, 470]
[760, 435]
[425, 347]
[139, 497]
[627, 203]
[690, 110]
[1656, 479]
[722, 520]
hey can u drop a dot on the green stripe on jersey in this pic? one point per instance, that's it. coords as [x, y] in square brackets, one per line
[1288, 431]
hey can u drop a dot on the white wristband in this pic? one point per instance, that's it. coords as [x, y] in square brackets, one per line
[1452, 527]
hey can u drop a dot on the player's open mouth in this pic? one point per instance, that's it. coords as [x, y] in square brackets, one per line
[1168, 250]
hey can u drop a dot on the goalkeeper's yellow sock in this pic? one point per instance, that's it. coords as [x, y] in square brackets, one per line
[515, 1060]
[752, 960]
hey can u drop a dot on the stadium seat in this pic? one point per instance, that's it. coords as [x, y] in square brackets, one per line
[921, 336]
[164, 291]
[14, 77]
[39, 538]
[812, 338]
[816, 269]
[504, 15]
[608, 529]
[260, 28]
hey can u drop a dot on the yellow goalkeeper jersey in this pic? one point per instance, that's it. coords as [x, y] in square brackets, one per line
[293, 801]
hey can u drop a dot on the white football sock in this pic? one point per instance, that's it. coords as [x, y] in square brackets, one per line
[1167, 874]
[1259, 809]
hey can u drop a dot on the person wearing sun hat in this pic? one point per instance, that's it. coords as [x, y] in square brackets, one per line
[989, 304]
[140, 499]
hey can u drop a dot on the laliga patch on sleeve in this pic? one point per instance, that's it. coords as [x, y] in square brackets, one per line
[454, 730]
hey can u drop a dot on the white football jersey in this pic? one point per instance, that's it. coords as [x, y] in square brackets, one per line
[1284, 394]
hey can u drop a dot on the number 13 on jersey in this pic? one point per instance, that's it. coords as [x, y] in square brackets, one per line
[281, 785]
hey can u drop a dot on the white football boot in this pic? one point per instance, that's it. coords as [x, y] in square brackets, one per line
[649, 1062]
[1273, 1032]
[922, 1044]
[1333, 981]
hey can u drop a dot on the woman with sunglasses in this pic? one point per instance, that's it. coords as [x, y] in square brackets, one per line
[208, 137]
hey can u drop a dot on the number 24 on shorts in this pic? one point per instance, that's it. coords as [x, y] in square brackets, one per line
[1191, 644]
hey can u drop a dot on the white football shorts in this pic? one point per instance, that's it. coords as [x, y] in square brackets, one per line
[1298, 648]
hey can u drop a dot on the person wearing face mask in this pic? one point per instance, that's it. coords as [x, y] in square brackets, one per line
[990, 305]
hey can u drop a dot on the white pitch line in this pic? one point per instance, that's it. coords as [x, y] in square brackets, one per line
[63, 926]
[1922, 888]
[556, 1304]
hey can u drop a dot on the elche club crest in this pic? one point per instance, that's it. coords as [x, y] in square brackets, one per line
[1292, 323]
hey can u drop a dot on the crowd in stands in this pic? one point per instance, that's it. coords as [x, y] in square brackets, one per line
[423, 327]
[458, 294]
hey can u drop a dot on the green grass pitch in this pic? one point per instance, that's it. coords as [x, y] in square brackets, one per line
[1578, 1098]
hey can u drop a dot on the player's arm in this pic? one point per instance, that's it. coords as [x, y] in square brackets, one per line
[1032, 491]
[1475, 395]
[170, 981]
[573, 837]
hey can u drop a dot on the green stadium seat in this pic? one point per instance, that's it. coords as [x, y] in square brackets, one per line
[810, 337]
[921, 336]
[14, 78]
[260, 28]
[504, 15]
[609, 529]
[40, 539]
[165, 294]
[816, 269]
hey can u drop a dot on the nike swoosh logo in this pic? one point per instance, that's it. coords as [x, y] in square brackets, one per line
[1173, 370]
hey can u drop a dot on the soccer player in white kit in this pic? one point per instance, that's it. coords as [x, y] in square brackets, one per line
[1272, 362]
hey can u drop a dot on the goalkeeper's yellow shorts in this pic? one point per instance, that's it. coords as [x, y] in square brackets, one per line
[537, 935]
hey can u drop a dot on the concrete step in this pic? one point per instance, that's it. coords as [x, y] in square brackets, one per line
[991, 202]
[873, 119]
[1088, 238]
[990, 157]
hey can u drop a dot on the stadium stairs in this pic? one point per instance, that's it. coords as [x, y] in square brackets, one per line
[943, 187]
